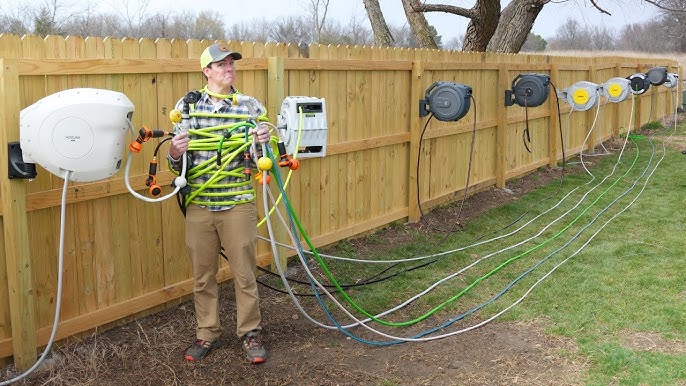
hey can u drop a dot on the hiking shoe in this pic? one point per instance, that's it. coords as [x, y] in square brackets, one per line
[200, 349]
[252, 344]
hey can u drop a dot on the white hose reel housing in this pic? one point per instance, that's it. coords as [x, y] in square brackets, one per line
[672, 80]
[616, 90]
[82, 130]
[581, 95]
[312, 142]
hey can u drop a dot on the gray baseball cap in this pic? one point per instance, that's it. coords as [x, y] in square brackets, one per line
[217, 52]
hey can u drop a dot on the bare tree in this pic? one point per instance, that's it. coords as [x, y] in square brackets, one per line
[95, 25]
[514, 26]
[672, 19]
[506, 31]
[403, 36]
[483, 20]
[571, 36]
[13, 25]
[255, 30]
[420, 27]
[207, 25]
[133, 17]
[602, 38]
[290, 30]
[382, 35]
[317, 12]
[51, 16]
[454, 43]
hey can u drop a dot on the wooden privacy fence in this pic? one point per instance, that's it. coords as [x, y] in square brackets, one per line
[125, 257]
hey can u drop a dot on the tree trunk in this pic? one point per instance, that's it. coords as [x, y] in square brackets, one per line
[419, 25]
[482, 25]
[382, 35]
[516, 22]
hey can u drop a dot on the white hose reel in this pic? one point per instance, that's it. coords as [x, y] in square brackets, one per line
[672, 80]
[82, 130]
[581, 95]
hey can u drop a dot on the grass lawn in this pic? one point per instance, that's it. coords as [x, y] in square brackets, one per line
[600, 259]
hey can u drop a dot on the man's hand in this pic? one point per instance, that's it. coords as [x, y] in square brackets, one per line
[261, 133]
[179, 145]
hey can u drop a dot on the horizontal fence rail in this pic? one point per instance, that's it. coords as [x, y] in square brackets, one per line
[125, 258]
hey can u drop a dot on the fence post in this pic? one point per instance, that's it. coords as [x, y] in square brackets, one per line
[416, 94]
[17, 253]
[501, 133]
[275, 95]
[637, 121]
[553, 126]
[590, 113]
[616, 130]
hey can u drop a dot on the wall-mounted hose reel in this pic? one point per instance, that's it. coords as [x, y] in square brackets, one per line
[82, 130]
[302, 125]
[528, 90]
[672, 80]
[447, 101]
[639, 83]
[657, 76]
[581, 95]
[615, 90]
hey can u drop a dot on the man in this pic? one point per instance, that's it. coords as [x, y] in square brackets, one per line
[223, 215]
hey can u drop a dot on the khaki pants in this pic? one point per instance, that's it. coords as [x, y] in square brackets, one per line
[236, 230]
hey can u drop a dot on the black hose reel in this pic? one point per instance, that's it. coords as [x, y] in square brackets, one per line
[528, 90]
[447, 101]
[639, 83]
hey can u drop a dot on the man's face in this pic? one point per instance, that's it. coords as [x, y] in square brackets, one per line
[221, 74]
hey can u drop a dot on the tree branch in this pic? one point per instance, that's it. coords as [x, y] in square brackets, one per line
[418, 7]
[599, 9]
[658, 4]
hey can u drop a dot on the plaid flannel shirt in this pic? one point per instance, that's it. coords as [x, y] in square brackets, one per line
[196, 157]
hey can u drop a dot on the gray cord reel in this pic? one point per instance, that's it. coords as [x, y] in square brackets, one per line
[639, 83]
[672, 80]
[657, 76]
[581, 95]
[615, 90]
[528, 90]
[447, 101]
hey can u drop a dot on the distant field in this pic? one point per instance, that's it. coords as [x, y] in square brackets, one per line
[680, 57]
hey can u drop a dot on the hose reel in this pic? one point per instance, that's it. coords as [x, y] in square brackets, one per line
[447, 101]
[528, 90]
[81, 130]
[639, 83]
[657, 75]
[615, 90]
[672, 80]
[581, 95]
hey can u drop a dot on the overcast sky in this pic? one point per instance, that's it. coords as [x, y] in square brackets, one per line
[448, 26]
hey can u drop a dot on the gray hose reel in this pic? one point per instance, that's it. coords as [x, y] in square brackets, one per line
[528, 90]
[615, 90]
[657, 76]
[581, 95]
[447, 101]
